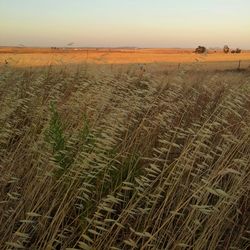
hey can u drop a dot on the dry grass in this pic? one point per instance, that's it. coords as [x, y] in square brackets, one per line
[123, 157]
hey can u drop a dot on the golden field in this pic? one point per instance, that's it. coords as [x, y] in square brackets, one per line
[124, 150]
[42, 57]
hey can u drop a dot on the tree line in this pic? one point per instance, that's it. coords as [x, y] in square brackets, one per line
[226, 50]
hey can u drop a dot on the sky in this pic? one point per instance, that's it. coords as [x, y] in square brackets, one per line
[117, 23]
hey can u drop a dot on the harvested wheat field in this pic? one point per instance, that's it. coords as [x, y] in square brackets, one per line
[131, 156]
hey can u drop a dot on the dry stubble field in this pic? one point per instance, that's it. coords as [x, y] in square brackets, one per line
[153, 156]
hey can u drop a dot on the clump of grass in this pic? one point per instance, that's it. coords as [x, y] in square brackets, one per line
[115, 159]
[65, 149]
[55, 136]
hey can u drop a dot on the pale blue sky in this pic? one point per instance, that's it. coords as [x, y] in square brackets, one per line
[142, 23]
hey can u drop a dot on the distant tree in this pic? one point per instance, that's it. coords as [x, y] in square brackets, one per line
[226, 49]
[238, 51]
[200, 50]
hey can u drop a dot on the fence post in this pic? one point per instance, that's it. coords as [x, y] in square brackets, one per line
[239, 65]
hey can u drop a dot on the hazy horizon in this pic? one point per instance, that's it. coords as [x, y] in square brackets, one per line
[131, 23]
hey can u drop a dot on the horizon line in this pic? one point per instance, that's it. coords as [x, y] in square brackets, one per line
[106, 47]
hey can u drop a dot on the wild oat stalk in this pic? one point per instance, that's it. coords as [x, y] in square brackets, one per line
[117, 158]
